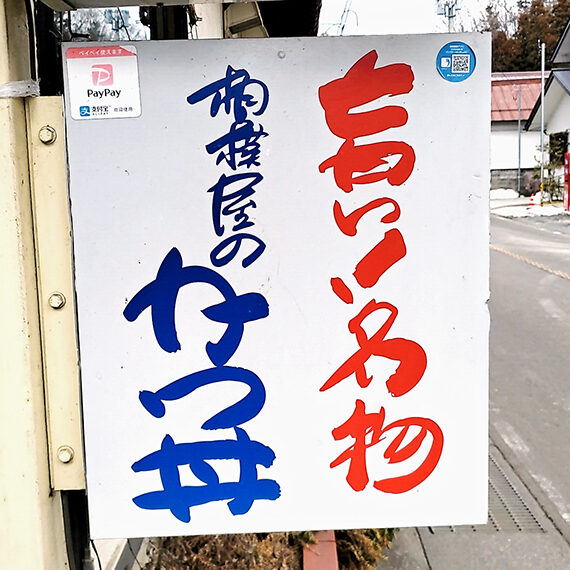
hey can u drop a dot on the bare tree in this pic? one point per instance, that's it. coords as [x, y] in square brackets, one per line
[108, 24]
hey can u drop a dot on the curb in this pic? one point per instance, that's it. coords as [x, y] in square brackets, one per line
[321, 555]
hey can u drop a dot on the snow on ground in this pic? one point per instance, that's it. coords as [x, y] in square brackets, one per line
[523, 211]
[510, 205]
[503, 194]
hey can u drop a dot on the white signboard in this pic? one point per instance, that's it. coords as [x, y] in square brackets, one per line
[282, 277]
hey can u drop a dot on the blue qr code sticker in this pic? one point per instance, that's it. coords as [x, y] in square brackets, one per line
[460, 63]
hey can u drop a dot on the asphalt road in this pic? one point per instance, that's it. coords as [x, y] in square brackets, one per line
[530, 351]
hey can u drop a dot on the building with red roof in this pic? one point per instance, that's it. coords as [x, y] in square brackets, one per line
[507, 128]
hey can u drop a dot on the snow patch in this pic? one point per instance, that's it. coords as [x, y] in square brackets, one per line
[503, 194]
[518, 212]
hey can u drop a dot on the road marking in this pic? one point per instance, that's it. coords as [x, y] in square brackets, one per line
[512, 438]
[530, 261]
[552, 309]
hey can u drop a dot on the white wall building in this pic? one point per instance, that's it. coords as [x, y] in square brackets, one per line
[507, 128]
[556, 104]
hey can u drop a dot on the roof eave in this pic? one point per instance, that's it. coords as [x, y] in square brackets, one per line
[536, 107]
[559, 44]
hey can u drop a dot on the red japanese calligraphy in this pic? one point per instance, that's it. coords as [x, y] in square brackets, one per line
[364, 158]
[411, 355]
[380, 258]
[362, 84]
[368, 430]
[347, 224]
[365, 164]
[341, 290]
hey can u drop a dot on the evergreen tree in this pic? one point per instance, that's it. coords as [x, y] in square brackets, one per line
[534, 27]
[560, 15]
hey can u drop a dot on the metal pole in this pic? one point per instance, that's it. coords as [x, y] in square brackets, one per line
[542, 50]
[451, 17]
[519, 164]
[32, 534]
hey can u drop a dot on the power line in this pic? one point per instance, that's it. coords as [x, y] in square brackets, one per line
[347, 10]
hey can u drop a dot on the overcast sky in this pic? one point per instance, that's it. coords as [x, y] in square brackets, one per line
[393, 16]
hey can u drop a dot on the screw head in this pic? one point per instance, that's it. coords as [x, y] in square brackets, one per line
[47, 134]
[65, 453]
[56, 300]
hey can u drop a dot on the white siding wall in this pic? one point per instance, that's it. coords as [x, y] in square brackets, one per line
[560, 118]
[504, 146]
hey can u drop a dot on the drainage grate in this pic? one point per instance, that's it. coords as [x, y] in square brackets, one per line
[508, 511]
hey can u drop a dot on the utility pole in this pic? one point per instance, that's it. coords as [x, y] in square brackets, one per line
[448, 9]
[542, 65]
[451, 18]
[519, 131]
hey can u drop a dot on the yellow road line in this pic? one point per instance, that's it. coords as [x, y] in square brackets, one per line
[531, 262]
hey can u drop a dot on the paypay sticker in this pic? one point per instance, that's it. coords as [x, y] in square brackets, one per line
[103, 82]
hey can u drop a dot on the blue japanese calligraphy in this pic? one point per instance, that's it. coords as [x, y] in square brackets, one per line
[235, 242]
[180, 498]
[245, 183]
[161, 295]
[230, 91]
[235, 310]
[235, 415]
[232, 203]
[248, 150]
[239, 147]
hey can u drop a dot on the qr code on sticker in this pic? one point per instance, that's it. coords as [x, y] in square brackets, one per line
[460, 63]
